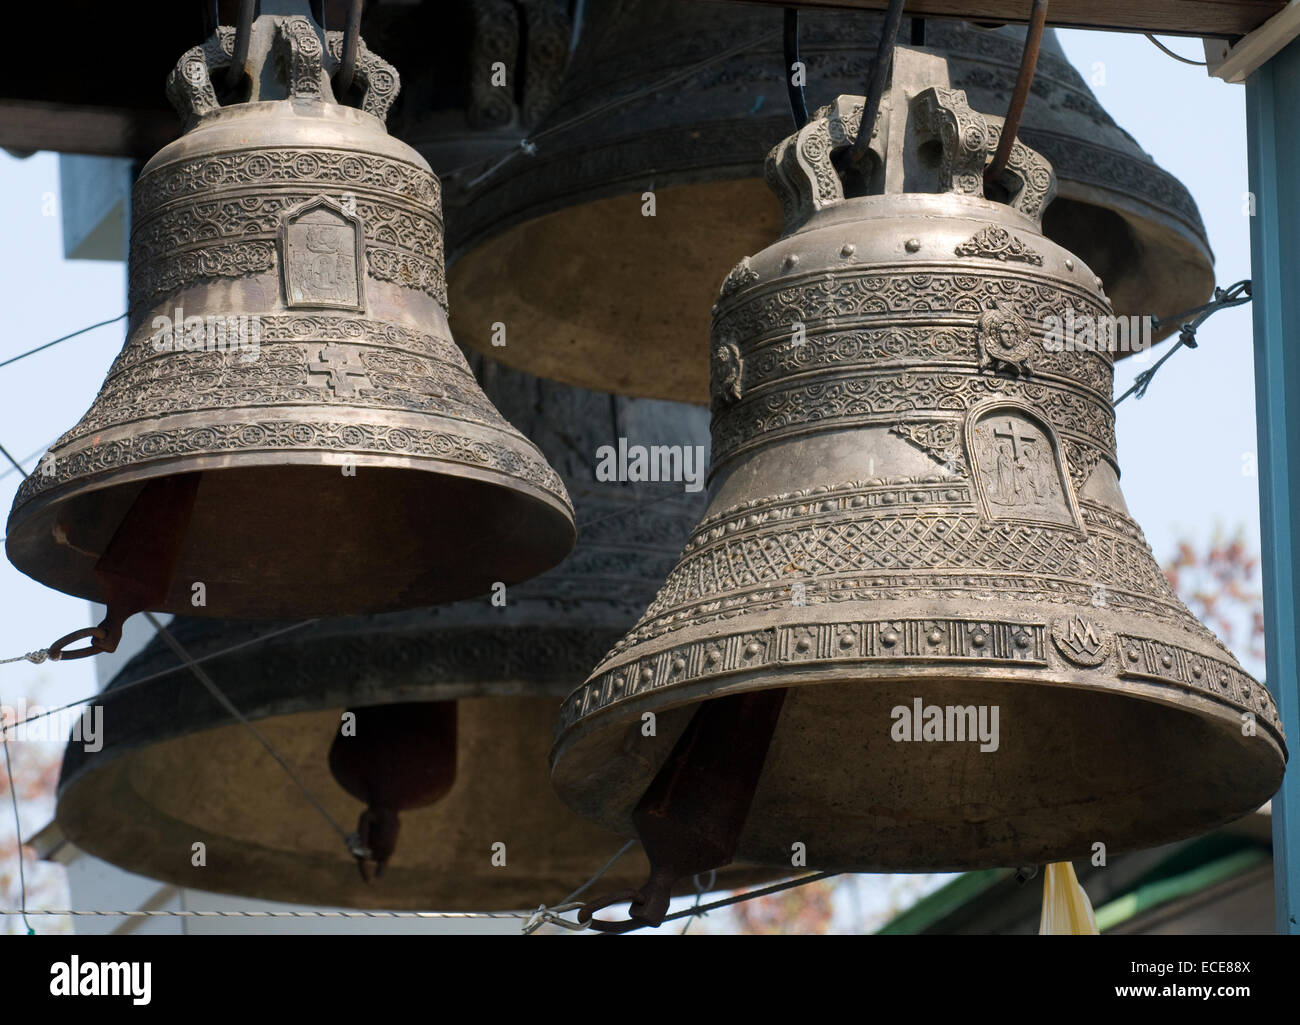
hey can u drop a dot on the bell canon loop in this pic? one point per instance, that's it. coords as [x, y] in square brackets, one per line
[916, 531]
[288, 356]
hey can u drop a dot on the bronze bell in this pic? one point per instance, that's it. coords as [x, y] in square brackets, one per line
[916, 629]
[469, 693]
[555, 245]
[289, 387]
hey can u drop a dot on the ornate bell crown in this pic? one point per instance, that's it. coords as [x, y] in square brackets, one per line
[915, 503]
[288, 342]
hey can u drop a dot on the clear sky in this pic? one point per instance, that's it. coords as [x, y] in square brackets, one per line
[1182, 448]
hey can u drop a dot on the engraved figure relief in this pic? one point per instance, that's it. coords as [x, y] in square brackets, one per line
[1004, 340]
[1018, 467]
[728, 373]
[321, 249]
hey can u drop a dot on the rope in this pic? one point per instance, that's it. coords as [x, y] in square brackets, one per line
[35, 657]
[544, 914]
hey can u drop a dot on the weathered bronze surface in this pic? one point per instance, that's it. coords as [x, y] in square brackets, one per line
[350, 462]
[556, 247]
[914, 502]
[175, 770]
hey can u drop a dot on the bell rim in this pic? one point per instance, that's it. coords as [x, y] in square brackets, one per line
[602, 736]
[29, 522]
[814, 675]
[91, 819]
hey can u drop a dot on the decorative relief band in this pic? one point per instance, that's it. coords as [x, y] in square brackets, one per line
[946, 640]
[908, 641]
[940, 541]
[289, 435]
[890, 291]
[265, 167]
[890, 539]
[302, 326]
[167, 275]
[773, 358]
[410, 271]
[201, 222]
[305, 370]
[1143, 658]
[883, 397]
[153, 282]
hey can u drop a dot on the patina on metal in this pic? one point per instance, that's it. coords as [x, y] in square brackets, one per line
[555, 245]
[916, 532]
[175, 769]
[289, 347]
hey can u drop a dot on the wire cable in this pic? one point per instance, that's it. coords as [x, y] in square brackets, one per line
[1176, 56]
[18, 836]
[42, 348]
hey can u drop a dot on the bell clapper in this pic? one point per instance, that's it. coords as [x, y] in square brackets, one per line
[395, 758]
[375, 840]
[690, 817]
[136, 570]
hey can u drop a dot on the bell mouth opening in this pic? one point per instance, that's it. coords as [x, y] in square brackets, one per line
[641, 287]
[311, 539]
[1063, 767]
[1149, 269]
[143, 809]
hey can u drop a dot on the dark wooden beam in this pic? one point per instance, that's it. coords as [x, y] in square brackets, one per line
[1223, 18]
[94, 131]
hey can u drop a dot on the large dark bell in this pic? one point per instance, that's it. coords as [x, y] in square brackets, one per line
[556, 243]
